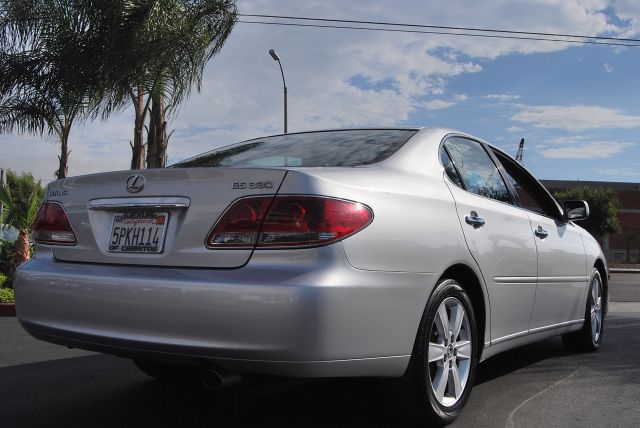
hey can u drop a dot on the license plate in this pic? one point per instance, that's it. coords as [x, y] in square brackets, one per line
[138, 232]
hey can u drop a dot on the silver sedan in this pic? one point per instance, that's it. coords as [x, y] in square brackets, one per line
[403, 253]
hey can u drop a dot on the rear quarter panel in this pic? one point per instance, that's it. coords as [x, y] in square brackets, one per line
[415, 228]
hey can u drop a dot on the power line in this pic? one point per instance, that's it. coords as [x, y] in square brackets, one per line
[392, 30]
[441, 27]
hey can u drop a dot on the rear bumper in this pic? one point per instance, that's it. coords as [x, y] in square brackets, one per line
[301, 314]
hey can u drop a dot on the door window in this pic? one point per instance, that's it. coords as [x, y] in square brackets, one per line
[477, 171]
[529, 193]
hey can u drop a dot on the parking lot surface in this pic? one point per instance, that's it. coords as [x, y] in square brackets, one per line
[539, 385]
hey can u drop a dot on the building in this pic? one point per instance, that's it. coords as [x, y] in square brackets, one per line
[627, 241]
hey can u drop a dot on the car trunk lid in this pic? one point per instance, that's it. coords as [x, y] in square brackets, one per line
[156, 217]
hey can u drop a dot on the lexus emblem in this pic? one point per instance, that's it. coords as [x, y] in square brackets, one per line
[135, 183]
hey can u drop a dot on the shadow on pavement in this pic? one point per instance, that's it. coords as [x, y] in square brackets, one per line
[102, 390]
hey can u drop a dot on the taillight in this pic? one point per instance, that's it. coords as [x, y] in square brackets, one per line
[52, 225]
[288, 222]
[240, 224]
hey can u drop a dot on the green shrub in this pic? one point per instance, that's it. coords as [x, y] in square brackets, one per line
[8, 259]
[6, 295]
[4, 281]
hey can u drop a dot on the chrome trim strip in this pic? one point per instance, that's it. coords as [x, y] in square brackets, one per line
[509, 337]
[549, 279]
[551, 327]
[542, 279]
[153, 202]
[515, 279]
[535, 330]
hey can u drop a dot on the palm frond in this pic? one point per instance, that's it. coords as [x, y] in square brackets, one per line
[32, 206]
[5, 196]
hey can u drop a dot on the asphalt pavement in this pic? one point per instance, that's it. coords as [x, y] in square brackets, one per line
[540, 385]
[625, 287]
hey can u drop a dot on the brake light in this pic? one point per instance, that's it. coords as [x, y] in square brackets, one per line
[52, 225]
[239, 226]
[289, 222]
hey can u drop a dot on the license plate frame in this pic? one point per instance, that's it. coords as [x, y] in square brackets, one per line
[138, 232]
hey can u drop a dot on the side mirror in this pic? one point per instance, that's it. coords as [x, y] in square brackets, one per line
[575, 210]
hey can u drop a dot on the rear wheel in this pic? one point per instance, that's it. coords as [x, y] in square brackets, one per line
[443, 365]
[589, 337]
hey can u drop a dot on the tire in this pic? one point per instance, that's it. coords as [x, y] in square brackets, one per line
[589, 337]
[167, 373]
[436, 391]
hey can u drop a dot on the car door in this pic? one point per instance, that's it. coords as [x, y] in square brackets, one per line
[562, 271]
[498, 234]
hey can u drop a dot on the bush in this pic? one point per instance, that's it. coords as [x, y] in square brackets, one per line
[7, 259]
[4, 281]
[6, 295]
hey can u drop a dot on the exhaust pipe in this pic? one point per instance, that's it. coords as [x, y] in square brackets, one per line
[214, 378]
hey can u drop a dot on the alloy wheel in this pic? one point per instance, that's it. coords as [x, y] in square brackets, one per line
[450, 350]
[596, 308]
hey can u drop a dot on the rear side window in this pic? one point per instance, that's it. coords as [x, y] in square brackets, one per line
[312, 149]
[449, 169]
[477, 171]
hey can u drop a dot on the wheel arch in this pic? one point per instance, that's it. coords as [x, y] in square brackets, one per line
[471, 283]
[600, 265]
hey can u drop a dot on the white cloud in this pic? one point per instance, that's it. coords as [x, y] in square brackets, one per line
[621, 172]
[608, 67]
[515, 129]
[589, 150]
[575, 118]
[502, 97]
[242, 92]
[438, 104]
[629, 12]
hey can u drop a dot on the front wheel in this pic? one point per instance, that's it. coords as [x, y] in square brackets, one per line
[589, 338]
[443, 364]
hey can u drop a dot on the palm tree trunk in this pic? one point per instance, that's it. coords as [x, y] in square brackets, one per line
[23, 250]
[138, 147]
[157, 139]
[63, 169]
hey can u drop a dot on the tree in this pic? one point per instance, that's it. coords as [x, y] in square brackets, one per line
[49, 67]
[67, 60]
[21, 196]
[179, 38]
[603, 207]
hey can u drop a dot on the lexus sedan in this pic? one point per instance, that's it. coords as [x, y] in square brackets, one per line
[411, 253]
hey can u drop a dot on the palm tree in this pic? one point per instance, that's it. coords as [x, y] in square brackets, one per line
[51, 111]
[21, 197]
[154, 55]
[68, 60]
[181, 37]
[48, 72]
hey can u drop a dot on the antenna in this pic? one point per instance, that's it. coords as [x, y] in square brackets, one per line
[520, 151]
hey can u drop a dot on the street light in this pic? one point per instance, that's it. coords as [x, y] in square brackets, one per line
[275, 57]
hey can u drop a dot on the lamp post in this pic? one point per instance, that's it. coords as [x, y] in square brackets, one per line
[275, 57]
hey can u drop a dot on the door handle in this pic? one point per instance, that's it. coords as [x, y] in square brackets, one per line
[474, 220]
[541, 233]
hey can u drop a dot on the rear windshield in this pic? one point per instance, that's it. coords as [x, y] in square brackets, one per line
[312, 149]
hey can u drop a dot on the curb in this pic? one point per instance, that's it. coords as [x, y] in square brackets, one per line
[620, 270]
[7, 310]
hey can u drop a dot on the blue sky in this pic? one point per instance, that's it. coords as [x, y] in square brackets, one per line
[576, 105]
